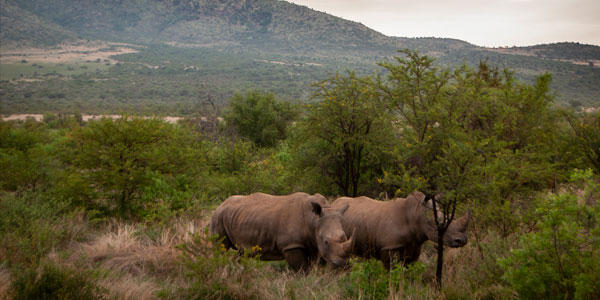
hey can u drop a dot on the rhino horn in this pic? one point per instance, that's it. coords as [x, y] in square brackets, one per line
[463, 221]
[349, 244]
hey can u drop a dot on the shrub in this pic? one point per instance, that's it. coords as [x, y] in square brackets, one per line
[561, 260]
[123, 158]
[55, 283]
[259, 117]
[26, 155]
[28, 229]
[219, 274]
[369, 279]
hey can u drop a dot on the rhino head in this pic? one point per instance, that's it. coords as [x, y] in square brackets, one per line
[333, 245]
[456, 233]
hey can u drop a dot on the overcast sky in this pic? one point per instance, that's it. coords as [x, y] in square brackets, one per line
[481, 22]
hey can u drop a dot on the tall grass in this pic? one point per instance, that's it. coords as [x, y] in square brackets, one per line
[132, 260]
[137, 261]
[4, 283]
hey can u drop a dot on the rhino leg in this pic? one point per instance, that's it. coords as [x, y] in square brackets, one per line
[404, 255]
[386, 257]
[392, 256]
[297, 259]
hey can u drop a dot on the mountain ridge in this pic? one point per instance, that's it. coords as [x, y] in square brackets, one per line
[246, 23]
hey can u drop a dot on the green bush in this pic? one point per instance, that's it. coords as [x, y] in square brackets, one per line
[237, 167]
[55, 283]
[370, 280]
[164, 198]
[29, 228]
[259, 117]
[215, 273]
[561, 260]
[26, 153]
[122, 159]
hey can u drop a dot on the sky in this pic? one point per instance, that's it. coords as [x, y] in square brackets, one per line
[491, 23]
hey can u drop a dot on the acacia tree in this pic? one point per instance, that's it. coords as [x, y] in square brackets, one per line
[344, 131]
[455, 127]
[436, 157]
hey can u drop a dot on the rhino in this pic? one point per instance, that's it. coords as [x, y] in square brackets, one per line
[395, 230]
[300, 228]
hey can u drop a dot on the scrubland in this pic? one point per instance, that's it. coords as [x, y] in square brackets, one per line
[118, 208]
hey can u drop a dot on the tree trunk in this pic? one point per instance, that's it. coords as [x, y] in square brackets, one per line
[440, 259]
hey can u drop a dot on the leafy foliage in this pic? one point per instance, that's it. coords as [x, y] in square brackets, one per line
[561, 259]
[456, 128]
[368, 279]
[344, 133]
[586, 127]
[205, 256]
[120, 157]
[25, 153]
[259, 117]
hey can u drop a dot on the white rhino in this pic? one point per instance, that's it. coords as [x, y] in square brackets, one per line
[299, 228]
[395, 230]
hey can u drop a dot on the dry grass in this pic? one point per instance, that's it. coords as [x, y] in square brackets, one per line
[128, 287]
[4, 283]
[320, 283]
[136, 261]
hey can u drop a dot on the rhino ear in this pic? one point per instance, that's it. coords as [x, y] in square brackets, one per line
[427, 202]
[317, 209]
[344, 209]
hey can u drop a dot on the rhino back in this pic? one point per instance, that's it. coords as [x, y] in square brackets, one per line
[274, 223]
[377, 224]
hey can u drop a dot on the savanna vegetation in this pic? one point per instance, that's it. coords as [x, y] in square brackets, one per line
[119, 208]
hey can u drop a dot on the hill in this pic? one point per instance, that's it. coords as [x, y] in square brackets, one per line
[20, 27]
[572, 52]
[218, 47]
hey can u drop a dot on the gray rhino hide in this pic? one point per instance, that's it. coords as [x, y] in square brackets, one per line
[277, 224]
[392, 230]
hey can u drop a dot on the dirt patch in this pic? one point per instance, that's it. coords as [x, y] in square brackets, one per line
[512, 51]
[289, 63]
[88, 51]
[40, 117]
[208, 45]
[23, 117]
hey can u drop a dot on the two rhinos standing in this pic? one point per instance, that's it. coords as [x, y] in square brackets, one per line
[303, 228]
